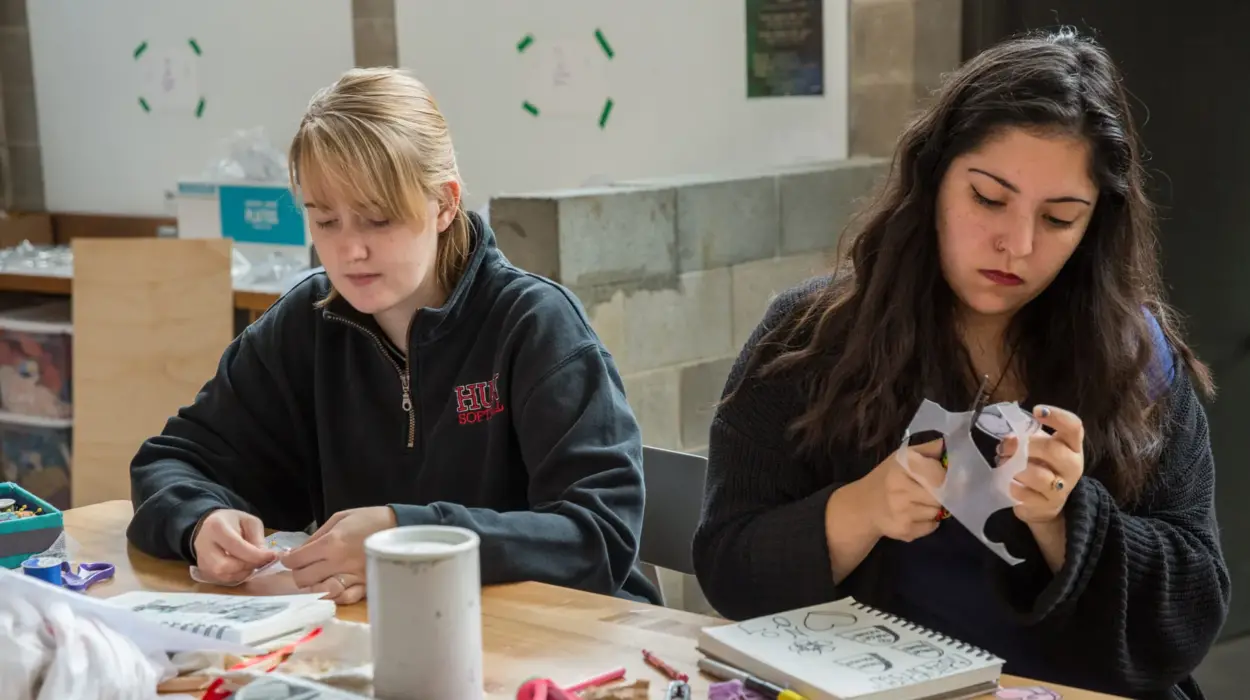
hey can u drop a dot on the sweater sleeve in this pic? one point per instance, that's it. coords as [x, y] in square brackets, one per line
[760, 546]
[582, 449]
[238, 446]
[1147, 588]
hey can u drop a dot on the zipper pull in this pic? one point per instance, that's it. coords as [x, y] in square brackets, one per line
[407, 403]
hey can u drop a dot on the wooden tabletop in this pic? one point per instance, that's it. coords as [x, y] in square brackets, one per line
[528, 629]
[253, 300]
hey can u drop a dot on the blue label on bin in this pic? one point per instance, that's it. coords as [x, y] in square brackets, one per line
[265, 215]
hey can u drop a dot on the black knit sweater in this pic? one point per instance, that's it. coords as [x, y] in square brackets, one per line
[1140, 599]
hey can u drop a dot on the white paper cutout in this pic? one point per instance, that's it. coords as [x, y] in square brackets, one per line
[973, 489]
[280, 542]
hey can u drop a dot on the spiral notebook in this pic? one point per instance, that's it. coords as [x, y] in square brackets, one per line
[847, 650]
[247, 620]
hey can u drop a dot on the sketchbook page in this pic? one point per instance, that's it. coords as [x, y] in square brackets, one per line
[844, 650]
[245, 619]
[148, 636]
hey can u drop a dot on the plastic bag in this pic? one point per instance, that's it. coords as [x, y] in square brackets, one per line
[249, 156]
[973, 490]
[47, 652]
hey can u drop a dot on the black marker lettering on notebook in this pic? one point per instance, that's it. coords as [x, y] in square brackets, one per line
[876, 635]
[824, 621]
[920, 648]
[241, 610]
[811, 647]
[919, 674]
[778, 626]
[867, 663]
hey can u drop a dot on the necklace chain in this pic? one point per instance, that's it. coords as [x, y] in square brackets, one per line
[982, 394]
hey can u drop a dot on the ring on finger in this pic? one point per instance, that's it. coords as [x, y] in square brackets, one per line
[339, 578]
[1057, 484]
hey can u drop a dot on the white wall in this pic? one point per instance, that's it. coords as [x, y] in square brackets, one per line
[678, 80]
[261, 61]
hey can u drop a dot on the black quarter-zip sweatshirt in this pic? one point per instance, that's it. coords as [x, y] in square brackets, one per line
[507, 416]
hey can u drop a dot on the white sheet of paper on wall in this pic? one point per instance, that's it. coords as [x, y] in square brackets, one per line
[973, 489]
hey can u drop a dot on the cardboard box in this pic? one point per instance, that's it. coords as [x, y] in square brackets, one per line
[16, 227]
[23, 538]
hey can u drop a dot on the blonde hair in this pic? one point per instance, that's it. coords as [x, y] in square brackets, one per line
[377, 138]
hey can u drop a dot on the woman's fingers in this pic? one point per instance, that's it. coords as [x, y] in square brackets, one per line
[929, 472]
[924, 513]
[1038, 479]
[1067, 426]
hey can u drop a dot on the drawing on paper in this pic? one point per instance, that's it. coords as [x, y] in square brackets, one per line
[168, 78]
[778, 626]
[867, 663]
[811, 647]
[568, 77]
[920, 648]
[919, 674]
[823, 621]
[877, 635]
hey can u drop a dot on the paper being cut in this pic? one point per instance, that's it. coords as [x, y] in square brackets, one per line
[974, 490]
[280, 542]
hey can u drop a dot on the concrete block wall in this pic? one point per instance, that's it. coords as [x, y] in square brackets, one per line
[899, 50]
[675, 274]
[21, 168]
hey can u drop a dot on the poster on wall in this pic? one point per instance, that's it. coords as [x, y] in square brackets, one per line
[785, 48]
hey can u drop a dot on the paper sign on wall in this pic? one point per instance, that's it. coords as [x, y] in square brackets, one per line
[785, 48]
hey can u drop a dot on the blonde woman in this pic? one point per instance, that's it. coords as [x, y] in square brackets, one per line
[421, 379]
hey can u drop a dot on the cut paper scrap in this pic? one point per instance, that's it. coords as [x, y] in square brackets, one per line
[1032, 693]
[973, 490]
[280, 542]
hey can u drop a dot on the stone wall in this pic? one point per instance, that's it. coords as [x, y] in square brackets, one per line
[899, 50]
[676, 274]
[19, 137]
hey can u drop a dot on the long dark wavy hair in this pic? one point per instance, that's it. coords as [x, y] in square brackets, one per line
[882, 336]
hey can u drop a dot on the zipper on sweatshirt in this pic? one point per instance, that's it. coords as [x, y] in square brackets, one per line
[405, 375]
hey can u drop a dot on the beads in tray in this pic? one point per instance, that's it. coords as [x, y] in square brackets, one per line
[10, 510]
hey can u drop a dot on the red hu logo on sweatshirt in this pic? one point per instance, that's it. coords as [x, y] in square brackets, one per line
[478, 402]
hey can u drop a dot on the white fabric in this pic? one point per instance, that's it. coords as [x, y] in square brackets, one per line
[47, 652]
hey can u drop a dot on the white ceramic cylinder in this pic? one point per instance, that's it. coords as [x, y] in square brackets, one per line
[425, 613]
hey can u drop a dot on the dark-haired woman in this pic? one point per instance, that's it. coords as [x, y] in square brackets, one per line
[1011, 257]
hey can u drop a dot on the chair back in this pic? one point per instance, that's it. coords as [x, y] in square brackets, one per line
[674, 489]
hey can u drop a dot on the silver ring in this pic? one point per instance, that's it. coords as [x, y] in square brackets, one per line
[339, 578]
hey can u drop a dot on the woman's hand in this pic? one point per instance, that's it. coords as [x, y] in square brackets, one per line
[899, 507]
[1056, 464]
[332, 561]
[229, 545]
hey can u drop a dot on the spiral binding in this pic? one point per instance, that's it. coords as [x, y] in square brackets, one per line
[926, 632]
